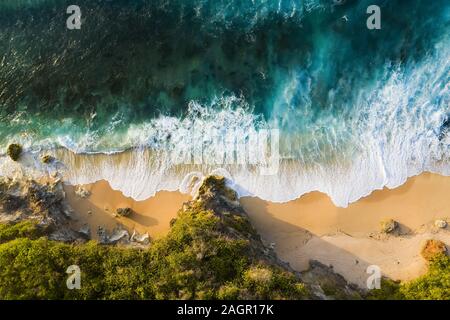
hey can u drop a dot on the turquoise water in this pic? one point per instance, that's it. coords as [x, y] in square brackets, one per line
[143, 73]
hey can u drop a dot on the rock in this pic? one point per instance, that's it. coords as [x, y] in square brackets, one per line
[433, 248]
[12, 203]
[64, 235]
[47, 159]
[85, 230]
[142, 239]
[14, 151]
[124, 212]
[82, 192]
[440, 224]
[102, 236]
[119, 234]
[67, 213]
[388, 226]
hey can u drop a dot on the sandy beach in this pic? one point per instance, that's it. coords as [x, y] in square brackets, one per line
[151, 216]
[311, 227]
[349, 239]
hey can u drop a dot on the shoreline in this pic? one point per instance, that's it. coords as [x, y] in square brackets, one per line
[142, 173]
[310, 227]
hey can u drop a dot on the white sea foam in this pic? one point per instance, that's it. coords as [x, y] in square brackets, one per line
[396, 133]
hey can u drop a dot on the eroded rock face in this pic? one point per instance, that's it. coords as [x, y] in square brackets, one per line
[42, 202]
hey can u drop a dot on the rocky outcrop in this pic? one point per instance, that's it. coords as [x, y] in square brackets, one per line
[14, 151]
[214, 195]
[41, 202]
[328, 285]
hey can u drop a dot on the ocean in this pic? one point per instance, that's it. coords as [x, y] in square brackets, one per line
[148, 93]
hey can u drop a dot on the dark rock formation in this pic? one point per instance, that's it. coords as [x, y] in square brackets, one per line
[14, 151]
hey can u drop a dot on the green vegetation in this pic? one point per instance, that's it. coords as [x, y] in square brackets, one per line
[24, 229]
[14, 151]
[435, 285]
[194, 261]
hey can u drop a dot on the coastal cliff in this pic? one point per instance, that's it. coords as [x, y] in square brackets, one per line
[211, 252]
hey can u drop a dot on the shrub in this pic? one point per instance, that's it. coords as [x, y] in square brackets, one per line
[27, 228]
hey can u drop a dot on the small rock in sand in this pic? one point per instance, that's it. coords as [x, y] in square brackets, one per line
[124, 212]
[82, 192]
[440, 224]
[388, 226]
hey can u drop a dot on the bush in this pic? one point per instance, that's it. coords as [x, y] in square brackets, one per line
[28, 229]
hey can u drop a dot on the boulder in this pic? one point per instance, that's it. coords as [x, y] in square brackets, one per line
[440, 224]
[14, 151]
[124, 212]
[82, 192]
[388, 226]
[119, 235]
[142, 239]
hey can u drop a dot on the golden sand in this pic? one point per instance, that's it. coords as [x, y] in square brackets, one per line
[311, 227]
[150, 216]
